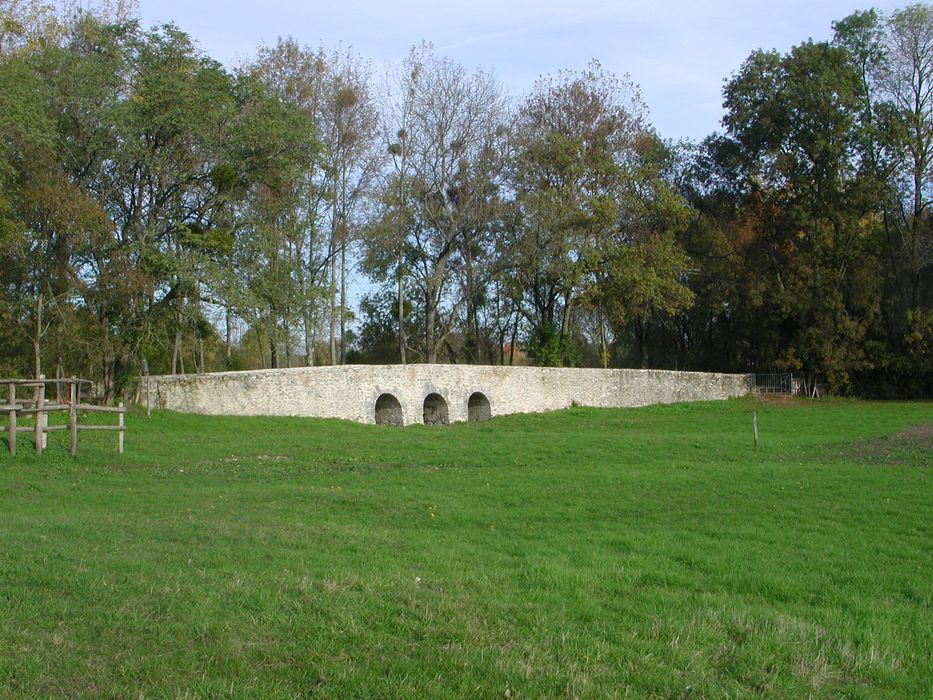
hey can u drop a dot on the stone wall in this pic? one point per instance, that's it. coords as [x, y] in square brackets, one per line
[352, 391]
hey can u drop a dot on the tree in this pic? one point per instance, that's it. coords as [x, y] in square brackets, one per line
[590, 199]
[572, 139]
[446, 125]
[24, 24]
[377, 340]
[48, 217]
[905, 81]
[794, 125]
[159, 187]
[640, 278]
[270, 149]
[333, 90]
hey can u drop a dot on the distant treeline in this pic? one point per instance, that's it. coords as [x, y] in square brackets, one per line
[160, 213]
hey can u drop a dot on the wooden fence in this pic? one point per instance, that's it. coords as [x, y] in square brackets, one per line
[67, 399]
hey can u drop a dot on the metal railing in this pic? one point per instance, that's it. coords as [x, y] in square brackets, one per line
[774, 383]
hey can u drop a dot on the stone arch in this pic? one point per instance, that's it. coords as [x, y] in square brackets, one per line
[478, 407]
[435, 410]
[388, 410]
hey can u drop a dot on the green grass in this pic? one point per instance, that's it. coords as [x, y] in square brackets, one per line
[585, 553]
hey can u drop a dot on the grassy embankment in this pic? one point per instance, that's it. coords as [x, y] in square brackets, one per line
[586, 553]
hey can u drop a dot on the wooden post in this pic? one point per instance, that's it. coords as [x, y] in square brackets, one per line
[73, 416]
[122, 426]
[755, 427]
[40, 415]
[148, 394]
[59, 374]
[11, 423]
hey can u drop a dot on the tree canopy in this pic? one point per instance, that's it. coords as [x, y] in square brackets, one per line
[162, 213]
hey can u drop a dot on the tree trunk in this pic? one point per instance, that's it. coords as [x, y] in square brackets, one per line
[401, 315]
[228, 339]
[641, 341]
[603, 341]
[343, 303]
[261, 345]
[108, 378]
[176, 347]
[430, 321]
[59, 375]
[915, 224]
[37, 354]
[309, 340]
[565, 318]
[107, 359]
[472, 339]
[143, 372]
[287, 335]
[333, 306]
[200, 346]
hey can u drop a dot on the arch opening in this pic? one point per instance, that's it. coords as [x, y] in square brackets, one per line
[435, 410]
[478, 407]
[388, 410]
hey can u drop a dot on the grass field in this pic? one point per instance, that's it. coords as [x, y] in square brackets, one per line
[587, 553]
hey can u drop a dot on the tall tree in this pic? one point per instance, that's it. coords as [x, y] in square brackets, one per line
[794, 146]
[638, 279]
[159, 188]
[446, 125]
[269, 151]
[53, 218]
[905, 79]
[588, 190]
[333, 88]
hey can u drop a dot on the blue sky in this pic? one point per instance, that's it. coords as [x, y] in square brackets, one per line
[678, 52]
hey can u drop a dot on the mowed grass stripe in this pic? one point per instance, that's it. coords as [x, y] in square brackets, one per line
[588, 553]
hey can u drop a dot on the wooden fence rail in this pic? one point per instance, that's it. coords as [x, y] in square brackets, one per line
[40, 409]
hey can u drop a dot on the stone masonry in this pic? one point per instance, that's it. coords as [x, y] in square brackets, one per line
[352, 391]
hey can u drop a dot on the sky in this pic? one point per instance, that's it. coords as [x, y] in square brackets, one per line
[679, 53]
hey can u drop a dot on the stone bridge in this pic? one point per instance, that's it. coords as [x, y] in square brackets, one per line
[432, 394]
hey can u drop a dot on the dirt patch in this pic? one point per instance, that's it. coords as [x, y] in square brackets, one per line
[777, 399]
[911, 447]
[922, 432]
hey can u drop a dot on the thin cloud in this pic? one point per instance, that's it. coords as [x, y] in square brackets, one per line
[518, 31]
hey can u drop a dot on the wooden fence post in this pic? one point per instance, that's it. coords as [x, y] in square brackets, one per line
[40, 408]
[120, 428]
[755, 427]
[11, 424]
[39, 415]
[73, 416]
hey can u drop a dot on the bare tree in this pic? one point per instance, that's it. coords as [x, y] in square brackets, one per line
[445, 124]
[24, 23]
[905, 77]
